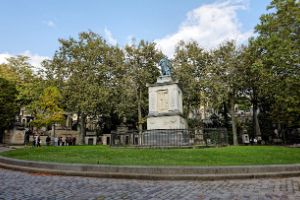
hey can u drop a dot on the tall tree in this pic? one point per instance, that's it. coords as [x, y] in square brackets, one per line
[8, 105]
[190, 65]
[86, 69]
[19, 71]
[255, 81]
[141, 61]
[224, 79]
[279, 43]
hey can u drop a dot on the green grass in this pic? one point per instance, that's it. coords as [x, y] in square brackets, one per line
[240, 155]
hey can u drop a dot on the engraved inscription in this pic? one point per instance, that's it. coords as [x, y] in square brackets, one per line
[162, 101]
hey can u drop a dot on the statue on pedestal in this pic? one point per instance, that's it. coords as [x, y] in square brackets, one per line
[165, 66]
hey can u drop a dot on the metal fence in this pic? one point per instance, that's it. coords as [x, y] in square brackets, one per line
[210, 137]
[166, 137]
[172, 137]
[130, 138]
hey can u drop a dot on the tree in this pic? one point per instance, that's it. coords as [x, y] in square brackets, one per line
[190, 65]
[279, 47]
[20, 72]
[8, 105]
[46, 110]
[141, 62]
[224, 79]
[28, 83]
[255, 81]
[86, 71]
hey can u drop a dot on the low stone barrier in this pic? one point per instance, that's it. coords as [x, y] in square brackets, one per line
[153, 172]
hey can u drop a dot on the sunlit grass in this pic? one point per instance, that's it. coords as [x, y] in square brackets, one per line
[240, 155]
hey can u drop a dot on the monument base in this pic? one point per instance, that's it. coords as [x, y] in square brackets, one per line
[166, 122]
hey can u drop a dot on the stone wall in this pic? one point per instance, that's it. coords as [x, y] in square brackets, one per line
[14, 137]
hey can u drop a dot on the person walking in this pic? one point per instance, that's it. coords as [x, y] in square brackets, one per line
[48, 140]
[33, 141]
[38, 141]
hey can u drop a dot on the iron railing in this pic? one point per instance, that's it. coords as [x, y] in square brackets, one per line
[166, 137]
[172, 137]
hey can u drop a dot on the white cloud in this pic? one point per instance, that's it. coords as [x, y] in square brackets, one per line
[3, 57]
[51, 24]
[34, 59]
[209, 25]
[110, 39]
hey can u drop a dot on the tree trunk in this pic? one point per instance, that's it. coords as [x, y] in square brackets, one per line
[256, 127]
[140, 123]
[140, 126]
[233, 119]
[204, 111]
[255, 123]
[225, 115]
[53, 130]
[1, 136]
[82, 128]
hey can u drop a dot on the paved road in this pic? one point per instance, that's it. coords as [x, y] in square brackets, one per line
[19, 185]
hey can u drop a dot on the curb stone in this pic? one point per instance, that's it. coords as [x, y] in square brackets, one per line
[153, 172]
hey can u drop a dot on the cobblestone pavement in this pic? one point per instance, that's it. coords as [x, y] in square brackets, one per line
[19, 185]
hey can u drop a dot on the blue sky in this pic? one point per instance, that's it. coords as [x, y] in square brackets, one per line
[33, 27]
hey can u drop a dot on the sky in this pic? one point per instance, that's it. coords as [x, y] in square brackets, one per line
[33, 27]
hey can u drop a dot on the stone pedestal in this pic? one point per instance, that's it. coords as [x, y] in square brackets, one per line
[165, 105]
[166, 122]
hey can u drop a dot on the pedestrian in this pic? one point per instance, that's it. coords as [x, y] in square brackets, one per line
[255, 140]
[38, 141]
[48, 140]
[33, 141]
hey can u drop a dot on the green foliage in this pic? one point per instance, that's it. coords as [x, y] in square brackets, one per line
[46, 109]
[8, 104]
[190, 66]
[225, 80]
[87, 64]
[24, 86]
[87, 71]
[239, 155]
[279, 42]
[141, 65]
[20, 72]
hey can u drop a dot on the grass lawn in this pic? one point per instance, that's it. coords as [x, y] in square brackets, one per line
[240, 155]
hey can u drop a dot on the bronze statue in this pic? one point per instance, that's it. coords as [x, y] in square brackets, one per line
[165, 66]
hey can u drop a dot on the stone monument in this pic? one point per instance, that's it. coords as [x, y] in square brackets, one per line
[165, 105]
[165, 101]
